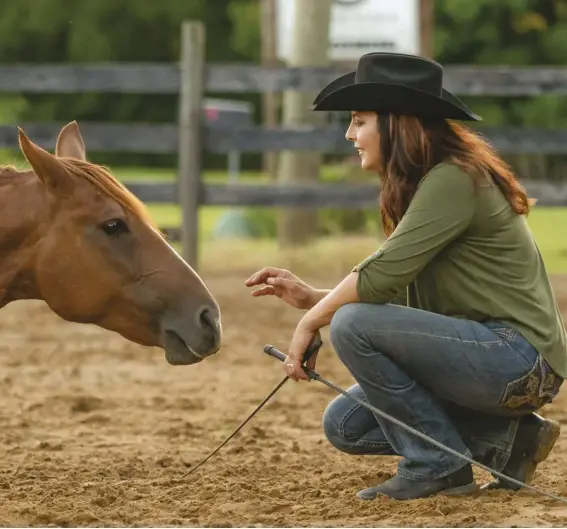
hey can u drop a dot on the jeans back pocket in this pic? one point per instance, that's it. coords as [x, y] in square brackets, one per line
[538, 387]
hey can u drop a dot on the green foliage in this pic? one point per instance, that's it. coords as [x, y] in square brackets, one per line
[55, 31]
[490, 32]
[245, 38]
[514, 33]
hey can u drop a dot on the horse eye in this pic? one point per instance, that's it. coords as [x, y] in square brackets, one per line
[114, 227]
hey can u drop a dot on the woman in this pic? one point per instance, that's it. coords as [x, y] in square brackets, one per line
[451, 326]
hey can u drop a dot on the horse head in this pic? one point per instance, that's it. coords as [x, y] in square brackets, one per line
[94, 256]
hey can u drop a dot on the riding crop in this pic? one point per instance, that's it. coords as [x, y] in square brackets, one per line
[313, 347]
[313, 375]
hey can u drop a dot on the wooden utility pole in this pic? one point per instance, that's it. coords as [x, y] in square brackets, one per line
[269, 99]
[310, 47]
[426, 28]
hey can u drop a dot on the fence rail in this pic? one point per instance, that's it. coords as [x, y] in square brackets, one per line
[164, 138]
[326, 194]
[160, 78]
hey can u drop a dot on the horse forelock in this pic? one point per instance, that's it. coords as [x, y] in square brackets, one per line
[106, 182]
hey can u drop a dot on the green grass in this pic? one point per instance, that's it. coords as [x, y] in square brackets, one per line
[328, 172]
[170, 215]
[169, 175]
[549, 225]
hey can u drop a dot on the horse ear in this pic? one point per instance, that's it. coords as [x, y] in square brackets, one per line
[70, 142]
[46, 166]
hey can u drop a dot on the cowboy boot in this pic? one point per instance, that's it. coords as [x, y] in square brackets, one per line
[458, 483]
[533, 443]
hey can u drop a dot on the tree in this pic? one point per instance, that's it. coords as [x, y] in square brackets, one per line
[56, 31]
[516, 33]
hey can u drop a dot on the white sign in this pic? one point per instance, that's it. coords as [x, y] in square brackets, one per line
[359, 27]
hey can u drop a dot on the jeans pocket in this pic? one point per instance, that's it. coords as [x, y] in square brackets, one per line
[550, 381]
[537, 387]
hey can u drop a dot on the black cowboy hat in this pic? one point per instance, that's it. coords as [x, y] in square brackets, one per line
[394, 83]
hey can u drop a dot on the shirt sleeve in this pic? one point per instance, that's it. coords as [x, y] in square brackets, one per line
[441, 210]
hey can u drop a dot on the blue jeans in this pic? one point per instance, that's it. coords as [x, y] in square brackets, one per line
[463, 383]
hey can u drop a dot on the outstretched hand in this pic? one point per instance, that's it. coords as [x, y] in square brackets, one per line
[285, 285]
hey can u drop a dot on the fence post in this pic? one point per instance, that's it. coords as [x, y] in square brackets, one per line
[192, 71]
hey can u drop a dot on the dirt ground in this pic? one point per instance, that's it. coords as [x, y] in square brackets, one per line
[95, 431]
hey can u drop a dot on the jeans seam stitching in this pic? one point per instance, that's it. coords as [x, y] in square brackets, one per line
[508, 334]
[418, 333]
[373, 444]
[345, 418]
[380, 377]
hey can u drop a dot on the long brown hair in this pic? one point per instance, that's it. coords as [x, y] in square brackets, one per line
[410, 147]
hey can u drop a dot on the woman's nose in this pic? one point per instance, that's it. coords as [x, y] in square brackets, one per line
[349, 135]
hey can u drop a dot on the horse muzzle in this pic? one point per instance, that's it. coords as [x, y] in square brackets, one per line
[192, 343]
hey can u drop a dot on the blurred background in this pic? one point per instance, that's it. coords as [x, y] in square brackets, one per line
[203, 109]
[505, 58]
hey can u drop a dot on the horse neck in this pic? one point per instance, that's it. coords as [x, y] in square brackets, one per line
[22, 199]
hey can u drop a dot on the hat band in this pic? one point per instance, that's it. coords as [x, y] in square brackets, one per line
[431, 86]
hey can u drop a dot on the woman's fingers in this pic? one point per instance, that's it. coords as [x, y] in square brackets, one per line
[260, 277]
[287, 284]
[265, 291]
[293, 369]
[299, 373]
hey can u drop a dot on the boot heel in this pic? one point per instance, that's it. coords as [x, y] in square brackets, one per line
[547, 440]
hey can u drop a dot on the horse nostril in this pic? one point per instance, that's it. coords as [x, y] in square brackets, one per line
[208, 320]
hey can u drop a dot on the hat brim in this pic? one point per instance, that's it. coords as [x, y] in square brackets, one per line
[343, 94]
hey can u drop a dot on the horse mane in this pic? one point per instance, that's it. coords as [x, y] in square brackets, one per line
[9, 169]
[101, 177]
[106, 182]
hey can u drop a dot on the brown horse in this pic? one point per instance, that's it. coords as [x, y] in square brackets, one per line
[73, 236]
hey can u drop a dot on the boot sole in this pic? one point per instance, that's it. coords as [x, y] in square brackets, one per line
[546, 441]
[471, 488]
[463, 490]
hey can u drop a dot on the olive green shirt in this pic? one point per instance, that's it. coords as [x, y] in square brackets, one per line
[461, 251]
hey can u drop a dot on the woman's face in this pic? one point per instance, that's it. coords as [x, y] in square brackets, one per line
[363, 132]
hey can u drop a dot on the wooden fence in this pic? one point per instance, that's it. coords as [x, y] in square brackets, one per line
[191, 77]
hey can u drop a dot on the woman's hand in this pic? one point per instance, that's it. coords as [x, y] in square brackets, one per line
[302, 338]
[315, 319]
[286, 286]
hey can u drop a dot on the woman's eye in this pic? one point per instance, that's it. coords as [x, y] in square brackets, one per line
[114, 227]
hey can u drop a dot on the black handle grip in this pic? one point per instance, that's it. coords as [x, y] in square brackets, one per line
[313, 347]
[272, 351]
